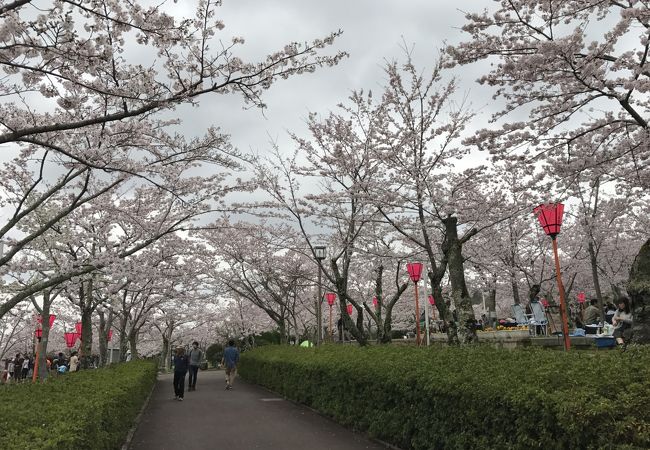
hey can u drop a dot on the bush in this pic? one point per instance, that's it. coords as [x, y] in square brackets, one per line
[86, 409]
[461, 398]
[213, 354]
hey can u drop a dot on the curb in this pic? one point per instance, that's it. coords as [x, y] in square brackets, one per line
[379, 441]
[136, 422]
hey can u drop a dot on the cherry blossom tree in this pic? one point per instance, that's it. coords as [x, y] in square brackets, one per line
[259, 263]
[573, 76]
[88, 114]
[339, 155]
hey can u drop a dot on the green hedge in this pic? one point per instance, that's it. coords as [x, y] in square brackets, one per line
[82, 410]
[465, 398]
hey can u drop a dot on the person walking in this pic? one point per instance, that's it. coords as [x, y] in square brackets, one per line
[181, 364]
[230, 360]
[195, 357]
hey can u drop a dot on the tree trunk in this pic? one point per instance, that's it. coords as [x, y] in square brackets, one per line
[638, 287]
[86, 346]
[103, 342]
[282, 329]
[124, 340]
[45, 326]
[164, 358]
[594, 275]
[133, 344]
[491, 306]
[452, 248]
[515, 286]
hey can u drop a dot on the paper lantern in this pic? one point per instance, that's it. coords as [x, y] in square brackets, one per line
[415, 271]
[550, 217]
[70, 339]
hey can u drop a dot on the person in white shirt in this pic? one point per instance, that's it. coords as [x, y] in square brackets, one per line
[74, 362]
[25, 368]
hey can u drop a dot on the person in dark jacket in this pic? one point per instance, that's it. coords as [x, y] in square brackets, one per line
[181, 364]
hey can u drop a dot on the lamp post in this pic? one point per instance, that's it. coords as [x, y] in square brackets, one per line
[109, 338]
[432, 302]
[39, 334]
[550, 218]
[319, 254]
[70, 339]
[331, 298]
[415, 272]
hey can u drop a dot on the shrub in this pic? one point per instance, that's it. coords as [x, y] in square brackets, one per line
[213, 354]
[86, 409]
[461, 398]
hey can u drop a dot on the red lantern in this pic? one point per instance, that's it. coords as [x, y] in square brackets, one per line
[331, 298]
[544, 303]
[432, 301]
[52, 317]
[110, 335]
[77, 336]
[415, 271]
[550, 217]
[349, 310]
[39, 333]
[70, 339]
[77, 328]
[375, 303]
[581, 297]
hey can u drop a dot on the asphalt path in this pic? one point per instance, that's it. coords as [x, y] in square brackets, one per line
[247, 417]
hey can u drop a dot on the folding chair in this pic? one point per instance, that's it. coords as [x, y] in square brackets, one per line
[520, 315]
[539, 318]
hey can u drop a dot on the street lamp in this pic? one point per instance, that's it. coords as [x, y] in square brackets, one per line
[39, 334]
[109, 337]
[550, 218]
[415, 272]
[319, 254]
[70, 339]
[331, 298]
[432, 302]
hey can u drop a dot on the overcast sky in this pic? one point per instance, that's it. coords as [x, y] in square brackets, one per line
[372, 32]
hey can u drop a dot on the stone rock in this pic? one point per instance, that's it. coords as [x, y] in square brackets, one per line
[638, 287]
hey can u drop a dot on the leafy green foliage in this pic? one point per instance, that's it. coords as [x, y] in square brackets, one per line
[213, 354]
[459, 398]
[87, 409]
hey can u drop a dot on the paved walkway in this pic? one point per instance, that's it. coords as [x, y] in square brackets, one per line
[248, 417]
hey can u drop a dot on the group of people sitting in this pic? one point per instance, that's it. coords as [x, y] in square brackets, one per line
[619, 317]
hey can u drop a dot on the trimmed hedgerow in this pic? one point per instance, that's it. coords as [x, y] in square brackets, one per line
[87, 409]
[462, 398]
